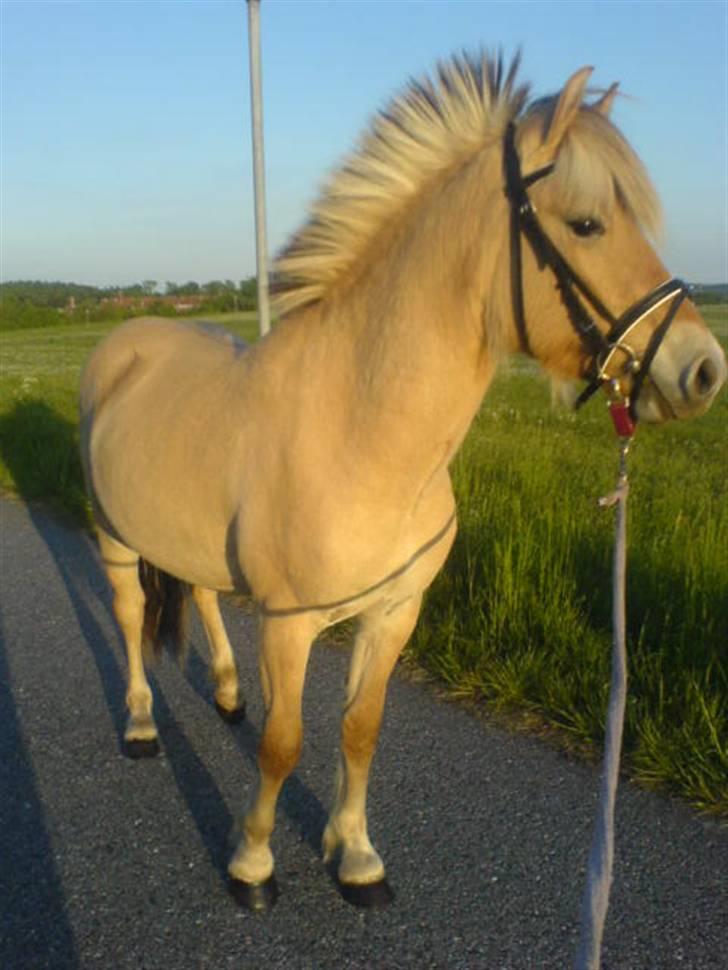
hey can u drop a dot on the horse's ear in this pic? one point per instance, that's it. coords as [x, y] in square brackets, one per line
[604, 105]
[567, 105]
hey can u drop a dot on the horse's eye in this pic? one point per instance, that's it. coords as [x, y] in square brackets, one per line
[586, 227]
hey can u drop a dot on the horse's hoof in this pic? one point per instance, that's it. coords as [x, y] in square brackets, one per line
[258, 897]
[232, 717]
[137, 748]
[370, 895]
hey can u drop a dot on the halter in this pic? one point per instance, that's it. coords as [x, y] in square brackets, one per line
[599, 347]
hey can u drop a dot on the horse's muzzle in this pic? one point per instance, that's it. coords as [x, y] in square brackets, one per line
[686, 375]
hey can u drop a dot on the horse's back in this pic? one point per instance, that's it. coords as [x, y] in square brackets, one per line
[149, 341]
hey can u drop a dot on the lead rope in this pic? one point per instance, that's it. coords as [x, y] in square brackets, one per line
[595, 900]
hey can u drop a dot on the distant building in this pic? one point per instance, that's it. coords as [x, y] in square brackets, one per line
[140, 302]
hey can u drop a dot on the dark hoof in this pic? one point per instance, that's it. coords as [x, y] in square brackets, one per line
[370, 895]
[137, 748]
[258, 897]
[232, 717]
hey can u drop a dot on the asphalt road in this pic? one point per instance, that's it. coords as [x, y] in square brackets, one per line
[109, 863]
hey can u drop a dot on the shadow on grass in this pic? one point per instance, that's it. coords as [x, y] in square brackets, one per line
[39, 448]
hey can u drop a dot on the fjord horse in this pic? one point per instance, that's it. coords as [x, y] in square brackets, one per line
[313, 467]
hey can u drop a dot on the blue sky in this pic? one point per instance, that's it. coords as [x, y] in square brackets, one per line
[126, 125]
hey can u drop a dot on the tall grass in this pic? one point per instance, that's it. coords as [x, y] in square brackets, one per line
[521, 613]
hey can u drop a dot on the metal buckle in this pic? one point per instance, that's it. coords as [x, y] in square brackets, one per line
[631, 366]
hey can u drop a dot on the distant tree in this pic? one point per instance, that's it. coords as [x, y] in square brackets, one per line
[158, 308]
[35, 303]
[710, 296]
[17, 313]
[41, 293]
[248, 294]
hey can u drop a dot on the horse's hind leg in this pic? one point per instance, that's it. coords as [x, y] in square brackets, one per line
[122, 568]
[285, 646]
[228, 700]
[380, 640]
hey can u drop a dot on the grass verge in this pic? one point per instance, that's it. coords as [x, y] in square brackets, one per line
[521, 614]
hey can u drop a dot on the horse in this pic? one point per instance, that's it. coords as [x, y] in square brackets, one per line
[471, 222]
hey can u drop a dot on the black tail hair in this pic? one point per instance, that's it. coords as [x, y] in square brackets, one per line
[165, 610]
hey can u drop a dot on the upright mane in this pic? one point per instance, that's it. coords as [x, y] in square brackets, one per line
[435, 125]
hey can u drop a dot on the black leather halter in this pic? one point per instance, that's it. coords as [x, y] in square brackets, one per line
[600, 347]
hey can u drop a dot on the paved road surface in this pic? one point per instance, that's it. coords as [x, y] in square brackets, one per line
[109, 863]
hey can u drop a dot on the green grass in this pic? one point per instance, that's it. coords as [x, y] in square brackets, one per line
[521, 614]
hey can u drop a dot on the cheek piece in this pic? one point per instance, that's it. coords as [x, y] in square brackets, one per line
[600, 348]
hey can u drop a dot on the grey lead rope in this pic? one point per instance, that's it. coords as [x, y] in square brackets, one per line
[599, 875]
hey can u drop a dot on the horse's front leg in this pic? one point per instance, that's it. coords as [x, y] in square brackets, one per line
[228, 698]
[285, 645]
[380, 640]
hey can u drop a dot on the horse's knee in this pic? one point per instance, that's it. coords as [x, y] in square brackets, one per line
[280, 749]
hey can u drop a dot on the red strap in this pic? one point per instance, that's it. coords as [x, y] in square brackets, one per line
[621, 418]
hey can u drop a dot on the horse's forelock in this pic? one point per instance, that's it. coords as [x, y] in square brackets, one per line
[597, 168]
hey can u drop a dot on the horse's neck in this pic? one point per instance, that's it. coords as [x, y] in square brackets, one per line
[420, 361]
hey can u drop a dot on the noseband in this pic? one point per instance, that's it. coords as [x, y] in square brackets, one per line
[600, 347]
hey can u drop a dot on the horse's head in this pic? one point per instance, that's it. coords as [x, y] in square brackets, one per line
[580, 196]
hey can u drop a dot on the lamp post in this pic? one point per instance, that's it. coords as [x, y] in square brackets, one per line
[256, 104]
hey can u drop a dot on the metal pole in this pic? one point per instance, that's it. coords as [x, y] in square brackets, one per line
[256, 104]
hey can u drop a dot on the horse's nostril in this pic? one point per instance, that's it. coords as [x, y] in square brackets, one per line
[705, 377]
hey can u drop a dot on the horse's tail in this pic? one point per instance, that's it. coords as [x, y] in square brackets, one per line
[165, 610]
